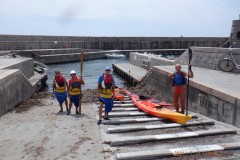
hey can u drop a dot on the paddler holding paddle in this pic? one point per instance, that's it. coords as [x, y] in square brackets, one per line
[106, 87]
[75, 90]
[179, 81]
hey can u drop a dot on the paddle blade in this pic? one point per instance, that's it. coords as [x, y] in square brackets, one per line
[190, 54]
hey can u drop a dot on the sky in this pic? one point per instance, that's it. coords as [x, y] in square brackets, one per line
[124, 18]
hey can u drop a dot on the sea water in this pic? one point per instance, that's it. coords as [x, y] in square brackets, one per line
[92, 69]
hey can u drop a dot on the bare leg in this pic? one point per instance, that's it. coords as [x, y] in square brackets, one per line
[70, 106]
[66, 103]
[182, 102]
[61, 108]
[100, 110]
[175, 98]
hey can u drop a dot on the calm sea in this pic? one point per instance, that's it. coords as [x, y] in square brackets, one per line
[92, 69]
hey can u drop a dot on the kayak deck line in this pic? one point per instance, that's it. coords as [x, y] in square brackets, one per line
[152, 127]
[155, 154]
[162, 137]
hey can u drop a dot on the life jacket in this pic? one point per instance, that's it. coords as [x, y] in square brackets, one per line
[179, 79]
[60, 83]
[74, 85]
[105, 88]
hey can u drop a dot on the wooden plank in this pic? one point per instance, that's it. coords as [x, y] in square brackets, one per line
[134, 120]
[123, 109]
[124, 105]
[124, 102]
[131, 120]
[158, 154]
[151, 127]
[126, 114]
[181, 135]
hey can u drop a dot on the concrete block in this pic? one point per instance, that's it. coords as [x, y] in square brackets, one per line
[222, 95]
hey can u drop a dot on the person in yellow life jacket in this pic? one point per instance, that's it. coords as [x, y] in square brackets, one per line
[74, 90]
[106, 86]
[60, 87]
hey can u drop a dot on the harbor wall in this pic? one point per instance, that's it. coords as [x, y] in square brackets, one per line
[25, 42]
[70, 57]
[204, 57]
[203, 98]
[14, 89]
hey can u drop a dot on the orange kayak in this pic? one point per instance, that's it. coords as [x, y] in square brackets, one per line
[159, 109]
[118, 95]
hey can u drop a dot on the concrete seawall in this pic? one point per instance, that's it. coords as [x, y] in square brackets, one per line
[23, 42]
[18, 82]
[14, 89]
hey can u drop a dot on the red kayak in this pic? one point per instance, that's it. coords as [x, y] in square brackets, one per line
[159, 109]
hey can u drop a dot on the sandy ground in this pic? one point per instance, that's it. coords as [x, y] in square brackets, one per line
[35, 130]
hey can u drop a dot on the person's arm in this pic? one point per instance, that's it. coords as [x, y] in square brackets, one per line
[98, 86]
[68, 87]
[66, 84]
[113, 88]
[53, 86]
[82, 81]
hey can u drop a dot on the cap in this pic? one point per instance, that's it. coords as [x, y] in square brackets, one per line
[108, 69]
[72, 72]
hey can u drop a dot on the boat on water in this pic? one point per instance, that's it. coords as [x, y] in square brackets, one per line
[158, 108]
[115, 56]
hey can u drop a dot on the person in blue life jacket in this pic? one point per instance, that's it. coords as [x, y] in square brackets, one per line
[60, 88]
[106, 86]
[178, 80]
[74, 89]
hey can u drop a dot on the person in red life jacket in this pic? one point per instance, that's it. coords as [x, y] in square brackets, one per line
[60, 87]
[74, 89]
[178, 80]
[106, 86]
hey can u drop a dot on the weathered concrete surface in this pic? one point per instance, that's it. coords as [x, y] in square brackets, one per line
[43, 133]
[212, 93]
[14, 88]
[140, 59]
[24, 64]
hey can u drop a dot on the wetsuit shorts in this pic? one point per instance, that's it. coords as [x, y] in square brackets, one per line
[108, 103]
[75, 100]
[61, 96]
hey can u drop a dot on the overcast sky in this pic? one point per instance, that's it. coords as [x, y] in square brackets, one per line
[155, 18]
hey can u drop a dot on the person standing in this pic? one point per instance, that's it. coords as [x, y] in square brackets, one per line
[178, 80]
[106, 86]
[74, 89]
[60, 87]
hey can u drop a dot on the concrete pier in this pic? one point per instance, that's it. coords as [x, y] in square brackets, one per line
[131, 73]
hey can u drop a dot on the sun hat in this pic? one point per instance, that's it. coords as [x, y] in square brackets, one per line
[108, 69]
[73, 72]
